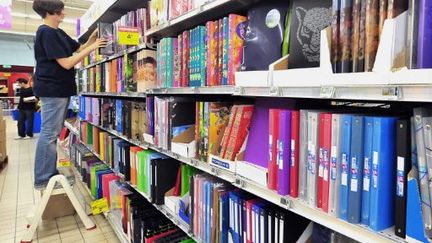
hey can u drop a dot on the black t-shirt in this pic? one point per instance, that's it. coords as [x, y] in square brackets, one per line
[51, 79]
[28, 106]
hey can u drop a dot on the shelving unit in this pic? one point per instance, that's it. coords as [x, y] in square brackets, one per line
[71, 128]
[162, 208]
[198, 16]
[112, 12]
[357, 232]
[398, 86]
[120, 54]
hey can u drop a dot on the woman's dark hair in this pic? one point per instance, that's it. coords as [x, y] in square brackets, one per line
[22, 81]
[44, 7]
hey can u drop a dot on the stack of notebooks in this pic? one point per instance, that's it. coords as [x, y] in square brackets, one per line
[140, 220]
[221, 213]
[210, 123]
[172, 116]
[139, 19]
[134, 72]
[204, 56]
[163, 10]
[130, 118]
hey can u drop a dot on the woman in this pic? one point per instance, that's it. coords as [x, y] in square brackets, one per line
[54, 81]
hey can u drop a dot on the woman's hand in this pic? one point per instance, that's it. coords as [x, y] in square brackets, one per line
[99, 43]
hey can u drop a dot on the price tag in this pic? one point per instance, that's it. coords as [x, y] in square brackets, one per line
[99, 206]
[391, 93]
[63, 163]
[327, 92]
[128, 36]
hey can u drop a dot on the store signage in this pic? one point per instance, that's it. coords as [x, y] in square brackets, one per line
[5, 14]
[128, 36]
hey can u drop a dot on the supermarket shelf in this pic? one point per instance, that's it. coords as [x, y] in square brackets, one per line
[357, 232]
[115, 94]
[162, 208]
[120, 54]
[63, 150]
[404, 93]
[111, 14]
[98, 156]
[170, 215]
[209, 11]
[227, 90]
[216, 90]
[116, 227]
[71, 128]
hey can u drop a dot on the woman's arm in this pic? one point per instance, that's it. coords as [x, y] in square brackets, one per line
[90, 41]
[69, 62]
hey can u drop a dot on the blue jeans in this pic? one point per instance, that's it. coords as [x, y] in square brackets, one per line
[53, 115]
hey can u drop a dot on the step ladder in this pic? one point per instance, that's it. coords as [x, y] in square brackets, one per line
[36, 216]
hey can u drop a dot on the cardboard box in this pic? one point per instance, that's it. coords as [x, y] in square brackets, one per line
[58, 206]
[184, 144]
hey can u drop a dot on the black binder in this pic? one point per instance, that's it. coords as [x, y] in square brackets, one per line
[403, 160]
[163, 179]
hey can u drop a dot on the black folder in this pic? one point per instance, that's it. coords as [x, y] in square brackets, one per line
[403, 160]
[163, 179]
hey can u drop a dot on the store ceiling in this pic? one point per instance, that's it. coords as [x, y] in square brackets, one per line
[26, 21]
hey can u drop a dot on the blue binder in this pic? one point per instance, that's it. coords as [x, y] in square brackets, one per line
[119, 126]
[356, 171]
[383, 174]
[224, 214]
[234, 197]
[367, 165]
[345, 165]
[82, 106]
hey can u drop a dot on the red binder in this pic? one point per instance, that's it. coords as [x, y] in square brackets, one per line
[273, 137]
[324, 160]
[249, 216]
[295, 142]
[105, 185]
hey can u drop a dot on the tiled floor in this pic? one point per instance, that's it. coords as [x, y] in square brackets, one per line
[17, 196]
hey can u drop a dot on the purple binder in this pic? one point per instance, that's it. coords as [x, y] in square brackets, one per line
[284, 152]
[424, 45]
[259, 130]
[258, 137]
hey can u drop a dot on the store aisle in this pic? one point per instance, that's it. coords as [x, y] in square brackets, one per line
[17, 196]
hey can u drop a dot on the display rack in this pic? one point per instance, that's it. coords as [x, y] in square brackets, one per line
[117, 228]
[111, 13]
[210, 10]
[120, 54]
[357, 232]
[162, 208]
[401, 86]
[71, 128]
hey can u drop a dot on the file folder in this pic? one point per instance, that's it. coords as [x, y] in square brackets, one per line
[383, 173]
[356, 170]
[345, 143]
[367, 169]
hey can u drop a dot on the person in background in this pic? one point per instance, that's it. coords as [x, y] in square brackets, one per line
[54, 82]
[26, 108]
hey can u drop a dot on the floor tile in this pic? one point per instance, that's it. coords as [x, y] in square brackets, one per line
[17, 197]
